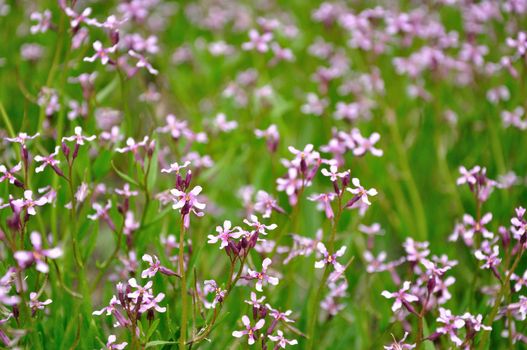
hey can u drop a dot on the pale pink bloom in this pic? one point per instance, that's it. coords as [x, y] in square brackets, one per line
[29, 203]
[451, 325]
[360, 192]
[47, 161]
[78, 137]
[467, 176]
[36, 304]
[324, 202]
[281, 341]
[363, 144]
[187, 203]
[257, 41]
[101, 52]
[9, 174]
[249, 330]
[257, 226]
[38, 255]
[143, 62]
[78, 18]
[225, 233]
[222, 124]
[333, 173]
[111, 345]
[262, 276]
[329, 259]
[155, 266]
[401, 297]
[43, 21]
[400, 344]
[175, 168]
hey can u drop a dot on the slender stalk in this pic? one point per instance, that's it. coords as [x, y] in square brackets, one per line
[183, 329]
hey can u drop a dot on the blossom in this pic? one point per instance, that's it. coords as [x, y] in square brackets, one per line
[155, 266]
[78, 137]
[250, 331]
[467, 176]
[519, 223]
[333, 173]
[257, 226]
[210, 286]
[111, 345]
[257, 41]
[400, 345]
[265, 204]
[477, 226]
[329, 259]
[101, 52]
[222, 124]
[262, 276]
[142, 62]
[48, 161]
[491, 258]
[29, 203]
[43, 21]
[314, 104]
[78, 18]
[364, 145]
[271, 136]
[187, 203]
[22, 138]
[175, 168]
[451, 325]
[254, 301]
[520, 43]
[36, 304]
[9, 174]
[521, 281]
[225, 233]
[401, 297]
[360, 192]
[324, 201]
[38, 255]
[280, 340]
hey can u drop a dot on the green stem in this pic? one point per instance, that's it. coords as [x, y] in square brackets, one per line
[183, 336]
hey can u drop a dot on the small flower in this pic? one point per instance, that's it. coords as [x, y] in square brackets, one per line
[249, 330]
[520, 43]
[102, 53]
[254, 301]
[221, 123]
[9, 174]
[364, 145]
[175, 168]
[360, 193]
[38, 255]
[210, 286]
[257, 41]
[22, 138]
[262, 277]
[491, 258]
[401, 297]
[29, 203]
[225, 233]
[78, 18]
[467, 176]
[451, 325]
[519, 223]
[265, 204]
[78, 137]
[143, 62]
[281, 341]
[477, 226]
[36, 304]
[257, 226]
[329, 259]
[43, 21]
[324, 202]
[111, 345]
[400, 345]
[314, 105]
[155, 266]
[48, 161]
[187, 203]
[333, 173]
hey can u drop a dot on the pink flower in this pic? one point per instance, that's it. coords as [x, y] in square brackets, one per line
[400, 344]
[333, 173]
[329, 259]
[250, 331]
[262, 277]
[474, 226]
[324, 202]
[175, 168]
[210, 286]
[102, 53]
[43, 21]
[281, 341]
[360, 193]
[257, 226]
[187, 203]
[364, 145]
[36, 304]
[78, 137]
[401, 297]
[265, 204]
[78, 18]
[467, 176]
[314, 104]
[29, 203]
[38, 255]
[143, 62]
[519, 223]
[520, 43]
[48, 161]
[271, 136]
[225, 233]
[451, 325]
[491, 258]
[111, 345]
[22, 138]
[9, 174]
[155, 266]
[257, 41]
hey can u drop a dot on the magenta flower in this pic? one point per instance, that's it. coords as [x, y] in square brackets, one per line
[257, 226]
[38, 255]
[451, 325]
[9, 174]
[132, 146]
[489, 257]
[314, 105]
[78, 18]
[112, 345]
[375, 264]
[250, 331]
[254, 301]
[281, 340]
[360, 192]
[262, 277]
[521, 281]
[139, 290]
[49, 161]
[225, 233]
[401, 297]
[102, 213]
[155, 266]
[477, 226]
[257, 41]
[29, 203]
[520, 43]
[126, 192]
[187, 203]
[519, 223]
[102, 53]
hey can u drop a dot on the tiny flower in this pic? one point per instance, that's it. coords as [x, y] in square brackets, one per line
[111, 345]
[333, 173]
[401, 297]
[78, 18]
[324, 201]
[155, 266]
[329, 259]
[210, 286]
[257, 226]
[474, 226]
[265, 204]
[271, 136]
[29, 203]
[187, 203]
[360, 193]
[225, 233]
[262, 276]
[491, 258]
[249, 330]
[257, 41]
[43, 21]
[222, 124]
[78, 137]
[36, 304]
[451, 325]
[143, 62]
[400, 345]
[9, 174]
[281, 341]
[38, 255]
[102, 53]
[467, 176]
[254, 301]
[175, 168]
[48, 161]
[364, 145]
[22, 138]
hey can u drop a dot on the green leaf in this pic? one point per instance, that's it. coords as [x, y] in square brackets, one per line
[124, 176]
[152, 328]
[153, 343]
